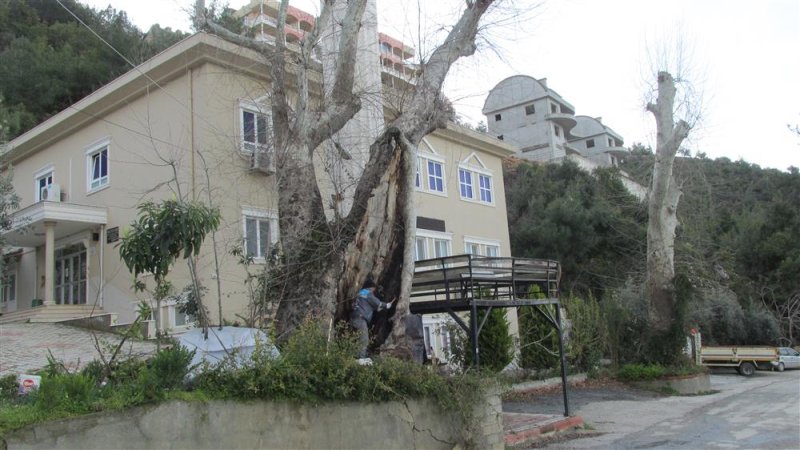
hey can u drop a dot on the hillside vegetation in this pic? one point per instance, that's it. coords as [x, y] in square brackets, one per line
[49, 60]
[737, 242]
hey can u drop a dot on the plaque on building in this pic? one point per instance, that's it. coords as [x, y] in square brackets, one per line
[112, 235]
[428, 223]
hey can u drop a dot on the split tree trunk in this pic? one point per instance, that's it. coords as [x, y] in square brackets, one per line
[326, 262]
[662, 206]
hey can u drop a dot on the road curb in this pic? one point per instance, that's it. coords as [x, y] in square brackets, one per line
[520, 428]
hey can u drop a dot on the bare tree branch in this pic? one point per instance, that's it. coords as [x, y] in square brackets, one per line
[344, 103]
[310, 41]
[204, 23]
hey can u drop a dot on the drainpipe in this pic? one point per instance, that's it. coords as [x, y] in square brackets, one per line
[191, 133]
[102, 264]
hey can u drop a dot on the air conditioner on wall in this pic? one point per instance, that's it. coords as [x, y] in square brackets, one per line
[261, 160]
[52, 193]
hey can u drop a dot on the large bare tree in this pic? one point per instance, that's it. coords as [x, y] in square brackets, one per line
[663, 200]
[326, 260]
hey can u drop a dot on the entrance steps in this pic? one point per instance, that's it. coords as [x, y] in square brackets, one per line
[51, 313]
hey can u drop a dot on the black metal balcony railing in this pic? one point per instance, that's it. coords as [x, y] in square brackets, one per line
[470, 283]
[461, 278]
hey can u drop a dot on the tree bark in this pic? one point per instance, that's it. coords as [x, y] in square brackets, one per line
[326, 262]
[663, 205]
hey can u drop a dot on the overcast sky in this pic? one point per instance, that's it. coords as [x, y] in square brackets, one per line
[743, 57]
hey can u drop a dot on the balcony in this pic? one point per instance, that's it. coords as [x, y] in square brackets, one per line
[41, 224]
[29, 224]
[261, 19]
[566, 121]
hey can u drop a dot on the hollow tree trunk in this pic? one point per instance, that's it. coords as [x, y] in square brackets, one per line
[322, 282]
[325, 262]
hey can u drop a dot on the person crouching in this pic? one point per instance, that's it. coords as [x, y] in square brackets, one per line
[365, 306]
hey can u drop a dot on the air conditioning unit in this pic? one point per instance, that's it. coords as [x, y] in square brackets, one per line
[52, 193]
[261, 160]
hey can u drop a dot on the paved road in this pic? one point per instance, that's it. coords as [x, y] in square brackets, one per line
[762, 411]
[24, 347]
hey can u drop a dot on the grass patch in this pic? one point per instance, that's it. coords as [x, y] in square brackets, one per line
[649, 372]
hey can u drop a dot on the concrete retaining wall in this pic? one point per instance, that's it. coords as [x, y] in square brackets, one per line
[229, 424]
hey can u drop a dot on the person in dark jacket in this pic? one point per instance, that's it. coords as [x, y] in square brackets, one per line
[365, 306]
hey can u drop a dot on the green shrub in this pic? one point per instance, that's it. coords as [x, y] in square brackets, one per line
[537, 335]
[762, 327]
[586, 338]
[69, 393]
[495, 344]
[624, 313]
[171, 365]
[95, 370]
[165, 372]
[646, 372]
[8, 387]
[640, 372]
[312, 369]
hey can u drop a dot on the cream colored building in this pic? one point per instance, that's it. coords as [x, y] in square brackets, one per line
[461, 208]
[192, 122]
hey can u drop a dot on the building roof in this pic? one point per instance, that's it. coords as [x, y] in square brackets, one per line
[167, 65]
[477, 140]
[517, 90]
[592, 126]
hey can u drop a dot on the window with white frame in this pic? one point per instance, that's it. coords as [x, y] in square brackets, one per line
[466, 180]
[260, 233]
[465, 183]
[172, 318]
[417, 180]
[435, 176]
[97, 167]
[482, 247]
[181, 318]
[485, 185]
[256, 128]
[430, 176]
[8, 293]
[431, 244]
[557, 130]
[436, 334]
[43, 181]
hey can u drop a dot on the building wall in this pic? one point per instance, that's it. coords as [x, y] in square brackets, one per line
[136, 134]
[143, 135]
[193, 120]
[465, 221]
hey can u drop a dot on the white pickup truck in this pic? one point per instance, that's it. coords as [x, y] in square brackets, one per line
[744, 358]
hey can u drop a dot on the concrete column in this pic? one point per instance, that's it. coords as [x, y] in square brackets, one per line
[49, 262]
[340, 177]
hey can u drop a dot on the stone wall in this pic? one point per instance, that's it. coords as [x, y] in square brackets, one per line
[258, 424]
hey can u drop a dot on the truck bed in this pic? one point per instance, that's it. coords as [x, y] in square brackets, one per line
[733, 355]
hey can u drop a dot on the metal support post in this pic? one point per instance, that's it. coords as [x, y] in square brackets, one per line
[563, 360]
[473, 328]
